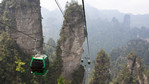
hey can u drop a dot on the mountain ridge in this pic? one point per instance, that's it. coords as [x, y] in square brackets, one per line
[55, 18]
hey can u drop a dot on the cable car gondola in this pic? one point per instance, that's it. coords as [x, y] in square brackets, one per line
[39, 64]
[82, 60]
[89, 62]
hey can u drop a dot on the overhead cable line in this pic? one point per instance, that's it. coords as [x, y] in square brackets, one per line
[85, 25]
[59, 7]
[63, 15]
[27, 35]
[85, 80]
[17, 30]
[24, 33]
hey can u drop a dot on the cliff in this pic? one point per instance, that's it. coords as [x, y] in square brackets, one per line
[25, 16]
[133, 72]
[119, 55]
[71, 39]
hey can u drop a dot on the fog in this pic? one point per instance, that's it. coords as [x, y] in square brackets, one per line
[125, 6]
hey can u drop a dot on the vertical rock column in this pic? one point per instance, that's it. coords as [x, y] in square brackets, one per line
[72, 38]
[27, 18]
[133, 72]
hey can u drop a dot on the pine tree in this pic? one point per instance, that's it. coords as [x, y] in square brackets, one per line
[101, 70]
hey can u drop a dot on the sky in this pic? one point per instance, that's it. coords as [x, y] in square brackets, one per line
[125, 6]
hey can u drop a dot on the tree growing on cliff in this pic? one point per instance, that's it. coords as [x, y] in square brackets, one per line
[133, 72]
[101, 70]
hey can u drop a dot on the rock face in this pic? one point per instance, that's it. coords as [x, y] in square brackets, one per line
[25, 16]
[135, 68]
[72, 38]
[134, 72]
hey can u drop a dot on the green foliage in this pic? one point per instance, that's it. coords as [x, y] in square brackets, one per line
[19, 63]
[61, 80]
[132, 55]
[116, 66]
[8, 54]
[101, 70]
[73, 13]
[124, 76]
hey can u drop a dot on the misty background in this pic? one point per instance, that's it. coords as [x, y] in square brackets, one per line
[107, 29]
